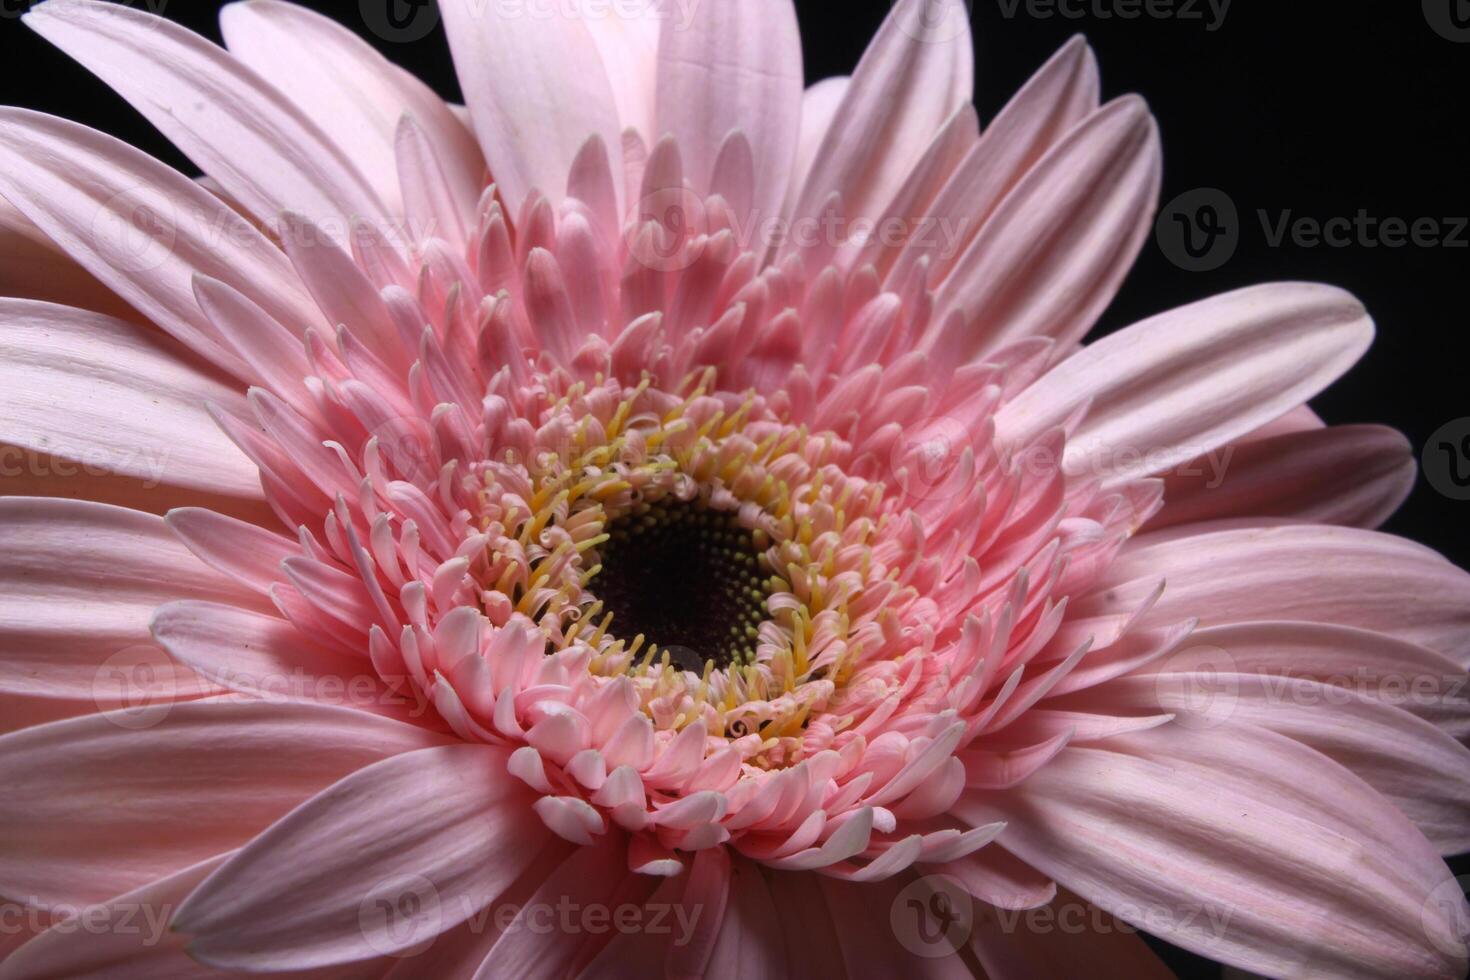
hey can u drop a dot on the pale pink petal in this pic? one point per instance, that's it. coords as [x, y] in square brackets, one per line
[97, 806]
[128, 938]
[115, 398]
[537, 90]
[1426, 684]
[446, 824]
[268, 657]
[629, 45]
[246, 553]
[1277, 884]
[1171, 388]
[1070, 938]
[1051, 256]
[33, 267]
[230, 121]
[734, 66]
[80, 582]
[588, 877]
[1060, 95]
[749, 944]
[997, 877]
[143, 229]
[354, 94]
[1422, 770]
[1356, 475]
[862, 914]
[819, 105]
[1339, 576]
[901, 93]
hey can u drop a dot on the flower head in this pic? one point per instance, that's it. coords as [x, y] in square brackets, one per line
[665, 486]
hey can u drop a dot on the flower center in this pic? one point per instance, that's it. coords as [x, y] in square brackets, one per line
[689, 579]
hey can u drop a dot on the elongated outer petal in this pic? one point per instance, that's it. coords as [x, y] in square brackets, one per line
[245, 553]
[94, 808]
[446, 825]
[629, 43]
[861, 914]
[537, 91]
[589, 876]
[735, 66]
[1061, 94]
[1356, 475]
[353, 93]
[1334, 575]
[33, 267]
[143, 229]
[1422, 682]
[1424, 771]
[234, 124]
[78, 584]
[1183, 383]
[1050, 258]
[903, 90]
[1278, 883]
[263, 655]
[115, 397]
[132, 942]
[1015, 945]
[819, 105]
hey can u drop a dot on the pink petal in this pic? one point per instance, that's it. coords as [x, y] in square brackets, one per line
[246, 553]
[354, 94]
[997, 877]
[1060, 95]
[1339, 576]
[141, 228]
[862, 914]
[629, 45]
[1356, 475]
[819, 105]
[1283, 879]
[78, 584]
[734, 66]
[590, 877]
[445, 825]
[97, 806]
[1427, 684]
[132, 943]
[32, 267]
[229, 120]
[1425, 772]
[1176, 386]
[1071, 938]
[903, 90]
[265, 656]
[1052, 255]
[115, 398]
[537, 90]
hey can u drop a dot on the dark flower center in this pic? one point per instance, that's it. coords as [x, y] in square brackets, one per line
[689, 579]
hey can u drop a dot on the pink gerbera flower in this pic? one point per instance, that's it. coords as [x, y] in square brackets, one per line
[661, 520]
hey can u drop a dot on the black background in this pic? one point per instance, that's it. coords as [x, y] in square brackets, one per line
[1322, 108]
